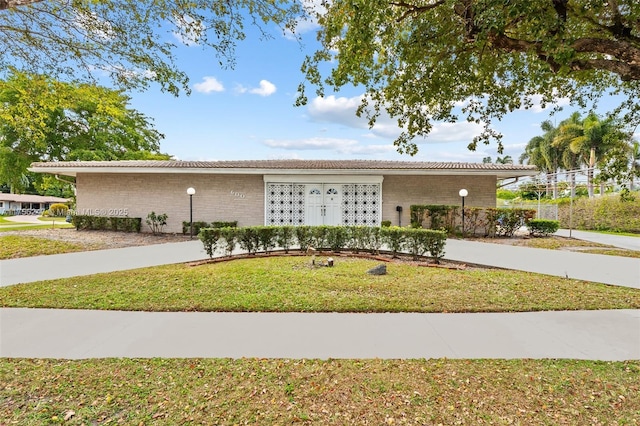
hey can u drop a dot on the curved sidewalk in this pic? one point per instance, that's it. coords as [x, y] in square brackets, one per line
[75, 334]
[589, 267]
[621, 241]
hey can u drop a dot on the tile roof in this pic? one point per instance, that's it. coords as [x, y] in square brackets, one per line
[27, 198]
[288, 165]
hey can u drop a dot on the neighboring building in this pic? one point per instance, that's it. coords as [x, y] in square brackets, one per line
[277, 192]
[18, 204]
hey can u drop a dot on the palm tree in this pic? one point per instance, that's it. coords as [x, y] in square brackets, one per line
[589, 139]
[541, 152]
[504, 160]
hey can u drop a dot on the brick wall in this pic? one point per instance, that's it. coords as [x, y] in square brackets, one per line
[407, 190]
[217, 198]
[241, 197]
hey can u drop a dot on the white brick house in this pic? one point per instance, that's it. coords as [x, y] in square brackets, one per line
[349, 192]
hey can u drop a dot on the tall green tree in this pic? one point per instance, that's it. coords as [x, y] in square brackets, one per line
[541, 152]
[42, 119]
[132, 41]
[418, 60]
[593, 140]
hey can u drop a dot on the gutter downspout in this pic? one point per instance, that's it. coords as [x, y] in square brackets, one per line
[509, 183]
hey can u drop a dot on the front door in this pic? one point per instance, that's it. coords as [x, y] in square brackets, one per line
[323, 205]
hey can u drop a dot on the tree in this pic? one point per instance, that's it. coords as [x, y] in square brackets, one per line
[541, 152]
[504, 160]
[594, 140]
[42, 119]
[133, 41]
[419, 60]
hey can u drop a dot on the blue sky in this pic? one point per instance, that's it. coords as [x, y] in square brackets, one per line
[248, 112]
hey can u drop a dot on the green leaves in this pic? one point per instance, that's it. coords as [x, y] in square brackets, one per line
[130, 40]
[42, 119]
[420, 62]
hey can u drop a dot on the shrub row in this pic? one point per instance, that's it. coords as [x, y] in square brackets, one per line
[104, 223]
[417, 242]
[197, 226]
[608, 213]
[490, 222]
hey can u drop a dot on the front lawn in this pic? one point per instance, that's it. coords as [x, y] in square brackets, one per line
[16, 246]
[332, 392]
[289, 284]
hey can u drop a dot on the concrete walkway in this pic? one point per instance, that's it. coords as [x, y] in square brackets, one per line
[49, 333]
[601, 335]
[590, 267]
[621, 241]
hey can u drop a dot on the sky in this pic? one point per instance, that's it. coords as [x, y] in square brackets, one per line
[248, 113]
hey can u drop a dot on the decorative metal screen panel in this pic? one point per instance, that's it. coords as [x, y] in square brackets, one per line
[360, 204]
[285, 204]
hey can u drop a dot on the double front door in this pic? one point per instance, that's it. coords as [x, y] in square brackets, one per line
[323, 204]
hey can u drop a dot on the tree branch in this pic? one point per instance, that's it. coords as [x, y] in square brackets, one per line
[413, 9]
[10, 4]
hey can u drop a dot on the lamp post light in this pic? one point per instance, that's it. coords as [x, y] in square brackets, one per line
[191, 191]
[463, 193]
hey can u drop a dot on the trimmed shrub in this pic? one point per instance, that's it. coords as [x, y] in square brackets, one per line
[222, 224]
[267, 236]
[385, 223]
[285, 237]
[247, 238]
[102, 223]
[337, 237]
[303, 236]
[542, 227]
[229, 237]
[434, 217]
[505, 222]
[197, 226]
[394, 237]
[58, 210]
[210, 238]
[416, 241]
[319, 237]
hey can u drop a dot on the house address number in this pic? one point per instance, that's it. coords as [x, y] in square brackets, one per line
[237, 194]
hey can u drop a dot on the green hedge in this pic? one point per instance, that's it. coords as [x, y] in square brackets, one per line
[104, 223]
[417, 242]
[490, 222]
[608, 213]
[197, 226]
[542, 227]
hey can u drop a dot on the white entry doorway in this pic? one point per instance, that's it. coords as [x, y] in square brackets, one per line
[323, 204]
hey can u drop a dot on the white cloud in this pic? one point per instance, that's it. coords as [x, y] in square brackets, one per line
[208, 85]
[342, 110]
[266, 89]
[537, 107]
[338, 110]
[462, 131]
[337, 145]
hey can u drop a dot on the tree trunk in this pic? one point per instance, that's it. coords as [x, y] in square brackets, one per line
[592, 164]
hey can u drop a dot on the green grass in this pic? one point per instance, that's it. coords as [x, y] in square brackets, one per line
[557, 243]
[625, 234]
[15, 226]
[332, 392]
[52, 219]
[16, 246]
[288, 284]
